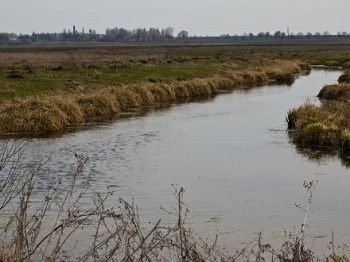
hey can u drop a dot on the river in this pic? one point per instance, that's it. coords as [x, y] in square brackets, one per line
[231, 154]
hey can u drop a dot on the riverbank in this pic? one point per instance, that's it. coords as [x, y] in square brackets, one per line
[45, 96]
[240, 165]
[325, 126]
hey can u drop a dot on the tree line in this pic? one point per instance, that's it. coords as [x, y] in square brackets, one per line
[111, 35]
[139, 35]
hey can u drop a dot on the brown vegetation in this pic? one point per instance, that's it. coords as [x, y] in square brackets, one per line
[345, 78]
[56, 111]
[326, 125]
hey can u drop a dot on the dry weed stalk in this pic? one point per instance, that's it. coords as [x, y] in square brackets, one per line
[49, 232]
[118, 233]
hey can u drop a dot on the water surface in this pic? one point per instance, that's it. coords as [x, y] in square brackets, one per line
[232, 156]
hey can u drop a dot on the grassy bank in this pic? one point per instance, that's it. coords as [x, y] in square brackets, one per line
[326, 126]
[47, 89]
[47, 92]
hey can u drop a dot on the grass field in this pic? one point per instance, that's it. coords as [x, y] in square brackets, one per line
[44, 90]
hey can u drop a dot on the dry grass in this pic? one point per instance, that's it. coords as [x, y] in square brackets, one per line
[32, 115]
[335, 92]
[126, 98]
[345, 78]
[333, 63]
[144, 92]
[327, 125]
[346, 65]
[98, 103]
[55, 111]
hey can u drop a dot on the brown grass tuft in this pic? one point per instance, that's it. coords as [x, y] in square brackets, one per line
[335, 92]
[332, 63]
[99, 103]
[69, 106]
[196, 87]
[254, 77]
[327, 125]
[144, 92]
[345, 78]
[162, 93]
[346, 65]
[126, 98]
[34, 114]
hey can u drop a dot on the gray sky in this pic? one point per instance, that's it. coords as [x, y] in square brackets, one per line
[198, 17]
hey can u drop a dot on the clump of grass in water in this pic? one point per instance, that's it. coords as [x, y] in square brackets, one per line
[335, 92]
[332, 63]
[345, 78]
[325, 126]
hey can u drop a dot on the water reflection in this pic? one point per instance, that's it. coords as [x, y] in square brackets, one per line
[230, 152]
[319, 155]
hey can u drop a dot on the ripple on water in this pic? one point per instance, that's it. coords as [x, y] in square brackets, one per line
[231, 154]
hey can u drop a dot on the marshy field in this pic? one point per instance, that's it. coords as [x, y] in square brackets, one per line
[230, 141]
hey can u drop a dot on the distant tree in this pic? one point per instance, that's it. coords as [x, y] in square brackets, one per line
[325, 35]
[183, 35]
[261, 34]
[267, 34]
[308, 34]
[244, 36]
[169, 31]
[251, 35]
[300, 34]
[4, 36]
[277, 34]
[317, 34]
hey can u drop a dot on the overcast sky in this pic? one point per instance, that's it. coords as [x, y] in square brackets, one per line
[198, 17]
